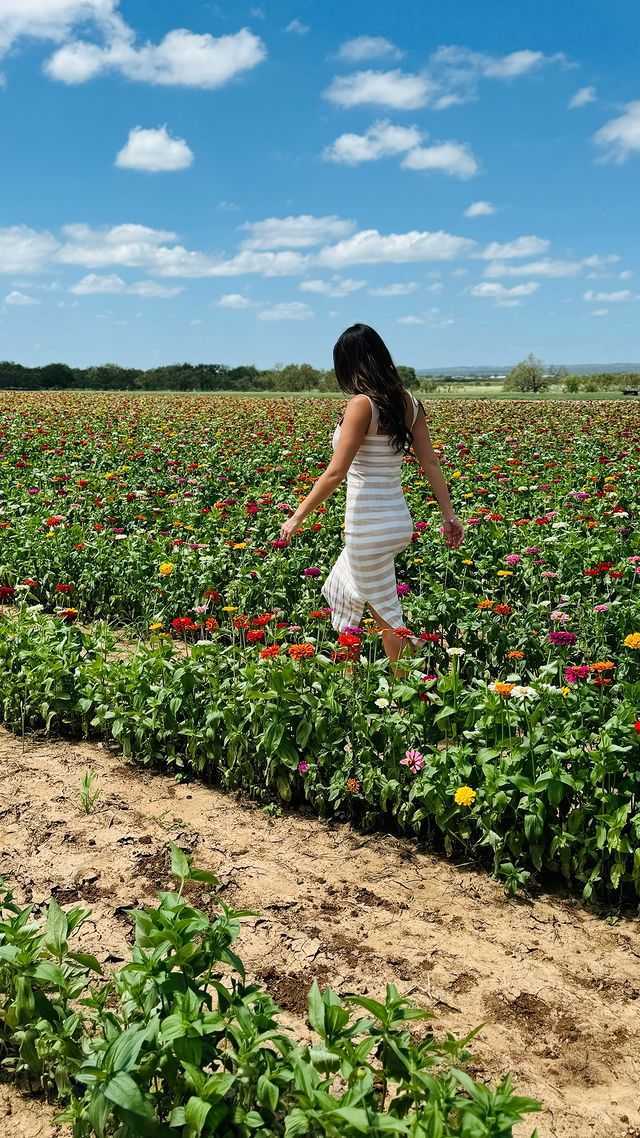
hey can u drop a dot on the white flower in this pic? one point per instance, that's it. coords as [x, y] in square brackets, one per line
[523, 692]
[382, 702]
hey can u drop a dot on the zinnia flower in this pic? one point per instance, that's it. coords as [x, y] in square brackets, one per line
[465, 796]
[313, 571]
[564, 639]
[301, 651]
[270, 653]
[353, 786]
[414, 760]
[166, 568]
[632, 640]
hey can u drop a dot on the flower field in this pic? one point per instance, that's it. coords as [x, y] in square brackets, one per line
[149, 602]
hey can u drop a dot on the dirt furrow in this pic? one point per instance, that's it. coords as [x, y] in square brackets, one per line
[557, 988]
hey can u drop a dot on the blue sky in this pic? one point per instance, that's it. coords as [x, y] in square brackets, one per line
[238, 182]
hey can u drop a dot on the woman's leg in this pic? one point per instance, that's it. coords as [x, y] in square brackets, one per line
[395, 646]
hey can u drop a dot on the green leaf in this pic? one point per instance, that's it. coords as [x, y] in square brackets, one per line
[315, 1006]
[180, 866]
[57, 929]
[195, 1113]
[296, 1124]
[355, 1116]
[123, 1053]
[125, 1093]
[267, 1094]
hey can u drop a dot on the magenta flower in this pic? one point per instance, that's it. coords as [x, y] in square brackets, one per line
[532, 549]
[414, 760]
[421, 526]
[353, 630]
[303, 767]
[600, 608]
[402, 589]
[576, 672]
[562, 639]
[279, 543]
[313, 571]
[513, 559]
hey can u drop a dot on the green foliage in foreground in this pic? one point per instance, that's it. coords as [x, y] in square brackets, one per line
[177, 1044]
[550, 780]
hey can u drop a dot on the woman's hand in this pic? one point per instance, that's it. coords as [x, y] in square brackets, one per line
[289, 528]
[452, 531]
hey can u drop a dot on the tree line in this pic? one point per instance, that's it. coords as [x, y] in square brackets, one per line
[174, 377]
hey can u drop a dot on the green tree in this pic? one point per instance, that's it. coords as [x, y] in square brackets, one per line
[528, 375]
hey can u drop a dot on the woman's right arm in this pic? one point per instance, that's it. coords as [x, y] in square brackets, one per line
[424, 452]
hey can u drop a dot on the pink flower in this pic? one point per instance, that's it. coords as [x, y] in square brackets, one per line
[562, 639]
[600, 608]
[303, 767]
[402, 589]
[279, 543]
[559, 615]
[576, 672]
[513, 559]
[311, 572]
[414, 760]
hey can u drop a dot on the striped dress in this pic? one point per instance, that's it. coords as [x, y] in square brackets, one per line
[377, 525]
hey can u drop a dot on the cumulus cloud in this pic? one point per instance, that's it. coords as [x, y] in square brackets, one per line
[479, 209]
[383, 139]
[369, 246]
[396, 89]
[582, 97]
[411, 319]
[401, 288]
[619, 138]
[368, 47]
[297, 232]
[234, 300]
[297, 27]
[550, 267]
[337, 286]
[94, 285]
[618, 297]
[55, 19]
[155, 151]
[457, 71]
[20, 299]
[25, 250]
[291, 310]
[454, 158]
[505, 297]
[182, 58]
[528, 246]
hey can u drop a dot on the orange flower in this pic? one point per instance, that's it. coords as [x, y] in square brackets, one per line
[602, 666]
[301, 651]
[515, 654]
[503, 689]
[486, 604]
[353, 786]
[270, 652]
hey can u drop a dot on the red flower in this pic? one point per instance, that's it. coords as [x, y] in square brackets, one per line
[7, 593]
[261, 620]
[30, 582]
[183, 624]
[301, 651]
[270, 653]
[637, 725]
[68, 615]
[348, 640]
[240, 621]
[255, 637]
[63, 589]
[503, 610]
[213, 595]
[211, 624]
[54, 520]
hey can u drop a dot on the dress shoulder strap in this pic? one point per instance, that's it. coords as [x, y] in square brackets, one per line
[375, 418]
[415, 406]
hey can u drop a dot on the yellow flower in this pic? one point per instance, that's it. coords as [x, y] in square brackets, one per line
[504, 573]
[565, 692]
[156, 626]
[166, 568]
[230, 608]
[239, 545]
[467, 561]
[456, 474]
[464, 796]
[632, 640]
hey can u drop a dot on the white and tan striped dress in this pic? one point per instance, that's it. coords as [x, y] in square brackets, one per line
[377, 525]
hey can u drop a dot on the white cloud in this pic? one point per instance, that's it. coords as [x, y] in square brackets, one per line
[395, 89]
[381, 140]
[527, 246]
[94, 285]
[155, 151]
[181, 59]
[545, 268]
[368, 47]
[292, 310]
[626, 275]
[479, 209]
[337, 286]
[453, 158]
[297, 27]
[582, 97]
[54, 19]
[20, 299]
[371, 247]
[411, 320]
[620, 137]
[456, 70]
[600, 312]
[505, 297]
[608, 297]
[234, 300]
[298, 232]
[25, 250]
[400, 289]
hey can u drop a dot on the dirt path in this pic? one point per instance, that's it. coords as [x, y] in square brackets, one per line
[558, 989]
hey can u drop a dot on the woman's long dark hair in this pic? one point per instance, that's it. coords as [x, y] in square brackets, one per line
[363, 366]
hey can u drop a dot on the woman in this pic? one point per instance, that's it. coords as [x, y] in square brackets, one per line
[381, 423]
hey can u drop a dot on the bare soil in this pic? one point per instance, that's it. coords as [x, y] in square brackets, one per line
[556, 987]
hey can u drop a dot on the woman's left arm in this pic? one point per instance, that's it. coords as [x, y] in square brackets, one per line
[355, 425]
